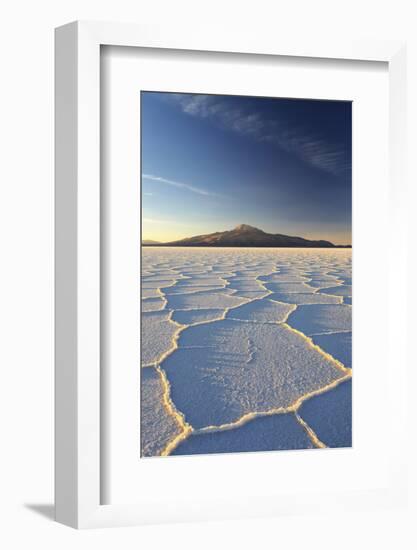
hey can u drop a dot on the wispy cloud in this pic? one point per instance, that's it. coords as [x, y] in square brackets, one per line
[180, 185]
[312, 149]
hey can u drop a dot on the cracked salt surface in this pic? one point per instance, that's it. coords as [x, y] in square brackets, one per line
[194, 316]
[190, 289]
[158, 426]
[299, 298]
[338, 344]
[341, 290]
[150, 293]
[261, 311]
[228, 331]
[209, 299]
[330, 415]
[153, 304]
[289, 287]
[147, 283]
[323, 283]
[283, 278]
[239, 368]
[319, 318]
[157, 332]
[268, 433]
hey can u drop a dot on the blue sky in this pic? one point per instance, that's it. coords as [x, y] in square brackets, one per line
[212, 162]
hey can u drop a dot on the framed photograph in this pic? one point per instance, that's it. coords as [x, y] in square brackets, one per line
[228, 215]
[246, 333]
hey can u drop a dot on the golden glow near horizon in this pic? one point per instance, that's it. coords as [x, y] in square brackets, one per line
[164, 231]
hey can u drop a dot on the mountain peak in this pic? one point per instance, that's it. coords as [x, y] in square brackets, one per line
[245, 227]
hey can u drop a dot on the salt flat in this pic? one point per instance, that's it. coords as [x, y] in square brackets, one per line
[245, 349]
[226, 369]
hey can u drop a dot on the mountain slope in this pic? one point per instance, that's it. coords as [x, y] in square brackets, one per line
[149, 242]
[246, 235]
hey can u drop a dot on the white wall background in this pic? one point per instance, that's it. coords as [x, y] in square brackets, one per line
[26, 270]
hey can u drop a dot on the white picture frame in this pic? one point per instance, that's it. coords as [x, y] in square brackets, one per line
[78, 321]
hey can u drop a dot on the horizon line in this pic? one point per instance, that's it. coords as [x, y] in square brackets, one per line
[162, 243]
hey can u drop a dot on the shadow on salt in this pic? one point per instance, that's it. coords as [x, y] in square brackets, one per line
[340, 290]
[330, 415]
[321, 318]
[300, 298]
[267, 433]
[323, 283]
[338, 344]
